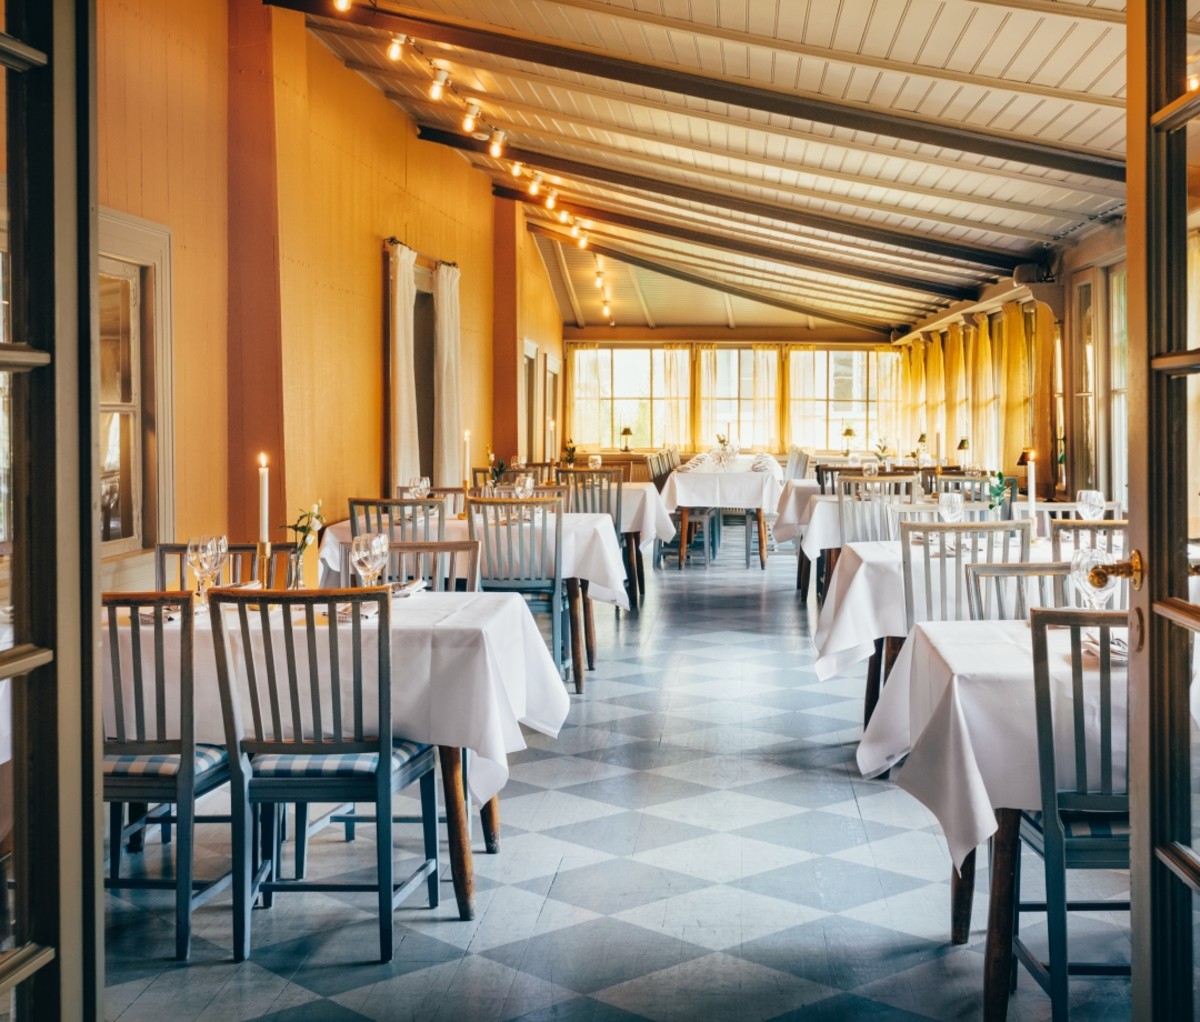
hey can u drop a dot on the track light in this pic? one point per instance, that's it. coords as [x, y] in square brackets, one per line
[517, 168]
[574, 230]
[563, 216]
[599, 279]
[396, 46]
[470, 117]
[341, 5]
[439, 84]
[583, 240]
[606, 310]
[535, 185]
[552, 198]
[496, 146]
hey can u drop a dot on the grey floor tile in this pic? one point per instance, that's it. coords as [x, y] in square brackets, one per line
[830, 884]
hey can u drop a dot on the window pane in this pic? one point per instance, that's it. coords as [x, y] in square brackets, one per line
[116, 475]
[848, 375]
[117, 356]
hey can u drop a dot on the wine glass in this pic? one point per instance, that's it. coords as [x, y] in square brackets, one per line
[414, 486]
[870, 469]
[1082, 563]
[196, 556]
[217, 552]
[365, 557]
[423, 487]
[1090, 505]
[950, 507]
[594, 461]
[523, 486]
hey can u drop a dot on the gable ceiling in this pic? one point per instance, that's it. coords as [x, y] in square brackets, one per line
[812, 167]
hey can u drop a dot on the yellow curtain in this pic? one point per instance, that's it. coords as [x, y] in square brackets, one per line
[704, 423]
[677, 379]
[958, 422]
[582, 384]
[935, 397]
[1014, 402]
[764, 426]
[916, 394]
[985, 447]
[890, 396]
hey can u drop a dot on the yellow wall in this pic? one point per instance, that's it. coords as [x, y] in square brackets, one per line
[161, 110]
[539, 320]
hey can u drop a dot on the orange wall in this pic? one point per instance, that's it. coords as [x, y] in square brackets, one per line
[161, 110]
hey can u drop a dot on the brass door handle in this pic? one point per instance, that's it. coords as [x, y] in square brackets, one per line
[1130, 569]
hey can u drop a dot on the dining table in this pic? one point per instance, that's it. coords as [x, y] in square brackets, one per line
[746, 481]
[471, 670]
[958, 710]
[592, 567]
[644, 520]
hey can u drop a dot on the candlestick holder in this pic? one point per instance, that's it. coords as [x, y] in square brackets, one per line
[466, 493]
[263, 553]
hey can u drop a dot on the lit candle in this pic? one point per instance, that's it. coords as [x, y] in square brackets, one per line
[264, 530]
[466, 471]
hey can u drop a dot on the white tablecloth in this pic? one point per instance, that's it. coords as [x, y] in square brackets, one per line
[791, 512]
[590, 552]
[738, 487]
[959, 702]
[467, 670]
[643, 512]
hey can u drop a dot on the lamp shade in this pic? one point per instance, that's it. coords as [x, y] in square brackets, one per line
[1028, 454]
[964, 444]
[626, 431]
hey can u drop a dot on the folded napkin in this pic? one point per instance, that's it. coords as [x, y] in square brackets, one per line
[345, 611]
[1118, 651]
[766, 463]
[402, 589]
[146, 614]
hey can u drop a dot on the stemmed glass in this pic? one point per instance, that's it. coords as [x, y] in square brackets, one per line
[1090, 505]
[369, 554]
[1082, 563]
[523, 486]
[418, 486]
[950, 507]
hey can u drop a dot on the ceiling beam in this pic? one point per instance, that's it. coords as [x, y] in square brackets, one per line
[839, 113]
[640, 294]
[771, 253]
[670, 271]
[977, 255]
[1056, 9]
[592, 127]
[890, 64]
[511, 71]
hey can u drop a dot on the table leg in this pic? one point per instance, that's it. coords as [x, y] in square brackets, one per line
[874, 679]
[489, 816]
[761, 515]
[641, 568]
[891, 650]
[997, 964]
[462, 866]
[575, 604]
[962, 897]
[631, 572]
[803, 573]
[683, 536]
[589, 625]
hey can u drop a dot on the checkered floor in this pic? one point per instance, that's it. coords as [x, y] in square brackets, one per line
[697, 844]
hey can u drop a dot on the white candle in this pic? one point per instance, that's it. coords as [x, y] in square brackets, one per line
[264, 529]
[466, 471]
[552, 453]
[938, 447]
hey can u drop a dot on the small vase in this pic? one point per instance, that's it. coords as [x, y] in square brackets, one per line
[296, 569]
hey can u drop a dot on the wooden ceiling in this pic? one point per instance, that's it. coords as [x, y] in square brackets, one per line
[828, 169]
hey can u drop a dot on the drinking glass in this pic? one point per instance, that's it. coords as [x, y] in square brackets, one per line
[870, 469]
[1090, 505]
[195, 558]
[523, 486]
[414, 486]
[1082, 563]
[594, 461]
[950, 507]
[368, 554]
[218, 557]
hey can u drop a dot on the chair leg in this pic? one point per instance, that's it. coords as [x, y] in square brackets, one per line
[589, 625]
[116, 823]
[1056, 929]
[803, 572]
[137, 811]
[185, 809]
[301, 839]
[383, 863]
[269, 812]
[429, 825]
[241, 832]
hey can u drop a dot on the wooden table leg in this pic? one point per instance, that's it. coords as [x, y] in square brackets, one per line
[462, 866]
[891, 650]
[803, 573]
[575, 604]
[489, 817]
[589, 625]
[683, 536]
[997, 964]
[631, 572]
[641, 568]
[874, 679]
[761, 515]
[962, 898]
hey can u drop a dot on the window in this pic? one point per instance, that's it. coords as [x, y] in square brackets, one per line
[120, 407]
[832, 391]
[1118, 417]
[1083, 452]
[645, 389]
[739, 396]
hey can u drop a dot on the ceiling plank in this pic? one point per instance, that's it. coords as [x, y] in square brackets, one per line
[670, 271]
[768, 252]
[1056, 8]
[798, 49]
[914, 241]
[565, 271]
[640, 295]
[852, 116]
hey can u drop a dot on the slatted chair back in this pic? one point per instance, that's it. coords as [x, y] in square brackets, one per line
[865, 505]
[445, 566]
[935, 588]
[299, 689]
[1070, 534]
[402, 520]
[481, 477]
[972, 487]
[171, 568]
[451, 496]
[827, 477]
[593, 491]
[520, 542]
[557, 490]
[804, 465]
[1008, 592]
[673, 460]
[793, 469]
[542, 471]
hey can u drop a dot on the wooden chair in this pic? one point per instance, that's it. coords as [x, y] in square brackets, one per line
[151, 756]
[444, 565]
[401, 519]
[972, 487]
[865, 502]
[171, 567]
[542, 471]
[289, 751]
[1007, 592]
[563, 493]
[594, 491]
[521, 552]
[1106, 534]
[451, 496]
[827, 476]
[1084, 820]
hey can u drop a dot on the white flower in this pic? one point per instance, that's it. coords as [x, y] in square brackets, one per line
[309, 539]
[315, 508]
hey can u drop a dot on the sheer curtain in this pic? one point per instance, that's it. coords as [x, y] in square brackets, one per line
[677, 381]
[935, 396]
[402, 295]
[704, 434]
[957, 415]
[985, 446]
[1014, 402]
[889, 397]
[448, 469]
[916, 394]
[586, 385]
[805, 426]
[764, 409]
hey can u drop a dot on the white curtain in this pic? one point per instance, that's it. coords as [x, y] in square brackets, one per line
[677, 387]
[707, 433]
[958, 421]
[890, 396]
[935, 397]
[448, 469]
[764, 420]
[985, 441]
[587, 427]
[402, 295]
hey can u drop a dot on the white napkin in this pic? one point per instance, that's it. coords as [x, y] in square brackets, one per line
[345, 611]
[1118, 651]
[402, 589]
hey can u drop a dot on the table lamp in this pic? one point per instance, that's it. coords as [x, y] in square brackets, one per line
[626, 433]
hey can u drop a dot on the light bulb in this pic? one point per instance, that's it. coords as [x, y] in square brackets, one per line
[395, 47]
[535, 185]
[583, 241]
[439, 84]
[496, 146]
[599, 279]
[1193, 83]
[552, 199]
[516, 169]
[574, 230]
[606, 310]
[563, 216]
[341, 5]
[469, 118]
